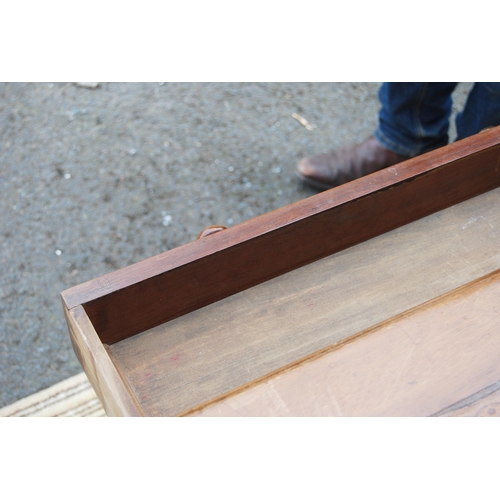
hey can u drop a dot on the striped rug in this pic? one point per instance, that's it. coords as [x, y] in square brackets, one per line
[73, 397]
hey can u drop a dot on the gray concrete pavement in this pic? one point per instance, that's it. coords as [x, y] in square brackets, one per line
[92, 180]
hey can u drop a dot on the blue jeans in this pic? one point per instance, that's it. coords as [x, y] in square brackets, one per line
[414, 117]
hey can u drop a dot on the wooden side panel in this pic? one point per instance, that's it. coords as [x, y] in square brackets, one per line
[165, 287]
[111, 389]
[414, 365]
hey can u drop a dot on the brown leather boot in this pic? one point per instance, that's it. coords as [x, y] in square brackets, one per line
[343, 165]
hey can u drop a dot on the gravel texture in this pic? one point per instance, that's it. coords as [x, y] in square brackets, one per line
[95, 178]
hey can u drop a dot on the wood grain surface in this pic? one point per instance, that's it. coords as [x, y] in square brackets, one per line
[485, 403]
[112, 389]
[193, 359]
[165, 287]
[414, 365]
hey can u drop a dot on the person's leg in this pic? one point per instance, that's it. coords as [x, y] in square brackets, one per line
[413, 119]
[481, 110]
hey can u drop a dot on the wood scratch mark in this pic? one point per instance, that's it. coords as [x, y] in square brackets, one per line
[408, 335]
[471, 221]
[489, 223]
[334, 401]
[278, 399]
[389, 394]
[404, 365]
[461, 257]
[421, 344]
[233, 404]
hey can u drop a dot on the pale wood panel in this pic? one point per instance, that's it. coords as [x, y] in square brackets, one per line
[414, 365]
[193, 359]
[73, 397]
[485, 403]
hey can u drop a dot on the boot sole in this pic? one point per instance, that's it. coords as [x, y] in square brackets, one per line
[313, 182]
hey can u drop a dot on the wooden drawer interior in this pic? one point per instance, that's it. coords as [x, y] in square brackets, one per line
[147, 353]
[239, 339]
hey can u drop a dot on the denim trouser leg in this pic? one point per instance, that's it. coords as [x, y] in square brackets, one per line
[481, 110]
[414, 117]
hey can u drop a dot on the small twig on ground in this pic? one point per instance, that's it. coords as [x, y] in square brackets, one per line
[302, 121]
[88, 85]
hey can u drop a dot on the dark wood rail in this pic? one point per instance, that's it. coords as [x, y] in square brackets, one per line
[156, 290]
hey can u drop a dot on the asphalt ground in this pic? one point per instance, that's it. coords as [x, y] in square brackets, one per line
[95, 179]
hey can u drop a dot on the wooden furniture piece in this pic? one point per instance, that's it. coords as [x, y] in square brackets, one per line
[379, 297]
